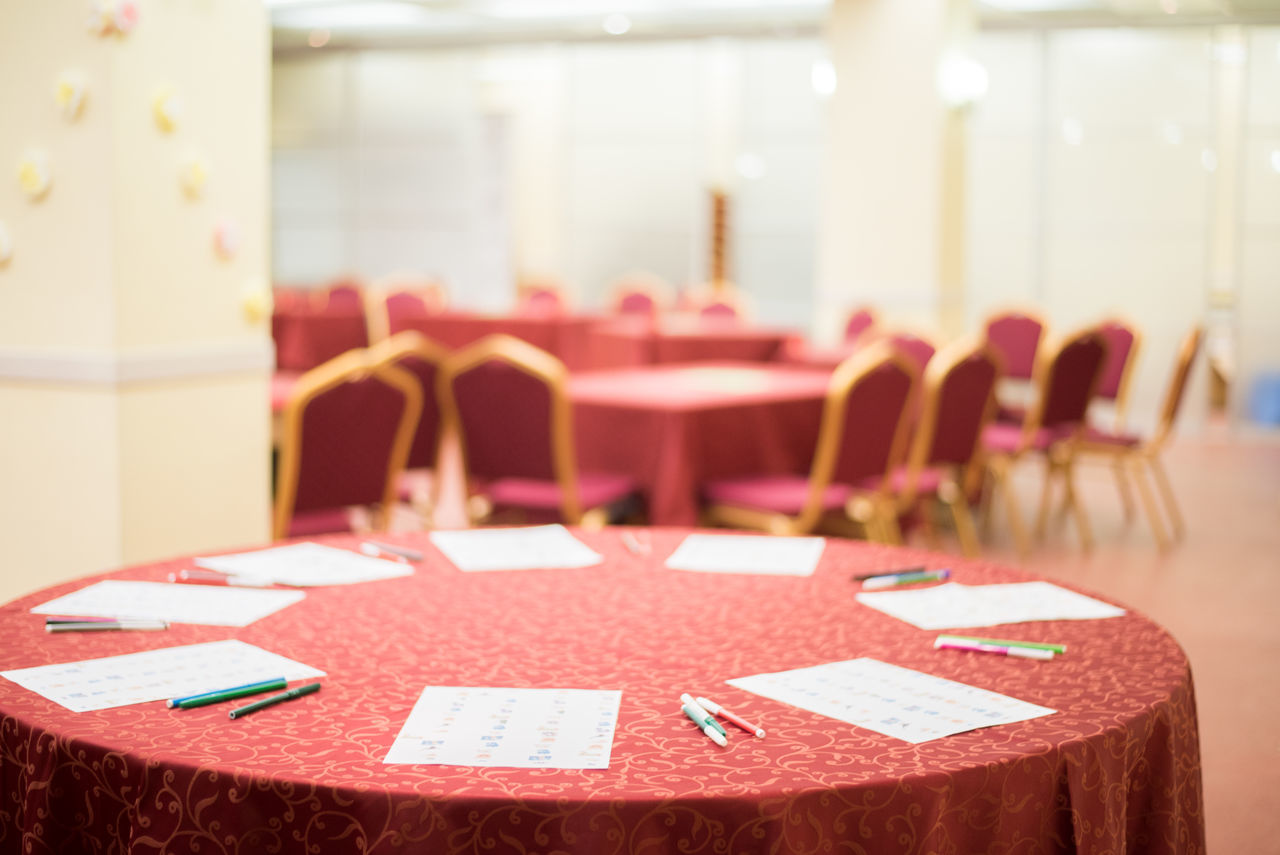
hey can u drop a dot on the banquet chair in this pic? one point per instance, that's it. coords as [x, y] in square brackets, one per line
[344, 295]
[1131, 451]
[391, 306]
[1065, 381]
[915, 347]
[1123, 341]
[861, 441]
[944, 463]
[541, 297]
[508, 404]
[1016, 335]
[717, 302]
[860, 321]
[346, 433]
[410, 350]
[640, 293]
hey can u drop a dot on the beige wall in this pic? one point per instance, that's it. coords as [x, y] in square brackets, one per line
[132, 381]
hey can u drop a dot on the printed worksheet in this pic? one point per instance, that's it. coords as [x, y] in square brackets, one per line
[539, 547]
[758, 555]
[304, 565]
[953, 605]
[170, 602]
[524, 728]
[888, 699]
[156, 675]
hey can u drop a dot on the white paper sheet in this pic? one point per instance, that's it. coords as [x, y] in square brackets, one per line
[751, 554]
[888, 699]
[155, 675]
[953, 605]
[524, 728]
[205, 604]
[533, 547]
[306, 565]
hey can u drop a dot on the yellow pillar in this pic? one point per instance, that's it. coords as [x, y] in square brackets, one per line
[135, 348]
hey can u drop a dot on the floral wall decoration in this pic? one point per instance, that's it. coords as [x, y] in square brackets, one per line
[255, 300]
[35, 175]
[70, 93]
[112, 17]
[226, 239]
[166, 108]
[193, 174]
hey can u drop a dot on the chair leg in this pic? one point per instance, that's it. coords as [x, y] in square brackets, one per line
[1166, 489]
[1122, 484]
[887, 510]
[967, 534]
[989, 483]
[1011, 507]
[1046, 495]
[1082, 519]
[1149, 502]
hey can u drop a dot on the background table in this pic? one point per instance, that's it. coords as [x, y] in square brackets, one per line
[673, 427]
[647, 341]
[1115, 770]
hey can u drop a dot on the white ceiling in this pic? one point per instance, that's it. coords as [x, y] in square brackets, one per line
[438, 22]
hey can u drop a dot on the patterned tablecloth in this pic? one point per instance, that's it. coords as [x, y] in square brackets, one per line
[1115, 770]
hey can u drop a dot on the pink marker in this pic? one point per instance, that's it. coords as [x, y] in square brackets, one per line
[715, 709]
[979, 647]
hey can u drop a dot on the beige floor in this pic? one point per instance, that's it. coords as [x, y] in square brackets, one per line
[1218, 593]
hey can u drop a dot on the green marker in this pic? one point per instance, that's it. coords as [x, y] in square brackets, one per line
[1004, 642]
[275, 699]
[227, 694]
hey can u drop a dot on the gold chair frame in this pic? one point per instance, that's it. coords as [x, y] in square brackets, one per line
[349, 366]
[377, 316]
[1060, 457]
[392, 350]
[952, 491]
[1146, 455]
[551, 371]
[874, 509]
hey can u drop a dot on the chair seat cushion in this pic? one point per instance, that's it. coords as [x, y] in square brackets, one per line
[783, 494]
[1096, 436]
[594, 490]
[1007, 438]
[326, 521]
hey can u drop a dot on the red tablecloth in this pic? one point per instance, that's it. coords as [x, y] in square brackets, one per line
[673, 427]
[1116, 769]
[644, 341]
[304, 339]
[564, 336]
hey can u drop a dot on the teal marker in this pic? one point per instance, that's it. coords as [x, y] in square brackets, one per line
[227, 694]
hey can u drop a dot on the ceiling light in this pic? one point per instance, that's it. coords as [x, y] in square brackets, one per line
[616, 24]
[822, 74]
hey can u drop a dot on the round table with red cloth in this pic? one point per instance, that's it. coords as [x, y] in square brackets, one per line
[1115, 770]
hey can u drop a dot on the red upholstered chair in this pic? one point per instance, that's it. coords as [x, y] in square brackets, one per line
[541, 298]
[1123, 341]
[1016, 337]
[861, 320]
[345, 436]
[1134, 452]
[718, 302]
[915, 347]
[345, 295]
[641, 294]
[1065, 380]
[945, 460]
[392, 307]
[861, 441]
[423, 358]
[508, 402]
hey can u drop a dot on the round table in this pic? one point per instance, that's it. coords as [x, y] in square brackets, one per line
[1116, 769]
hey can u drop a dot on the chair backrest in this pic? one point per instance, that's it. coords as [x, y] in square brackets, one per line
[397, 307]
[860, 321]
[1016, 337]
[422, 358]
[346, 295]
[347, 430]
[719, 302]
[915, 347]
[541, 298]
[863, 432]
[641, 294]
[1066, 380]
[1123, 340]
[958, 403]
[1187, 350]
[508, 402]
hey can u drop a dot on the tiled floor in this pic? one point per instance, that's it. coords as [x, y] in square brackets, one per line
[1217, 592]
